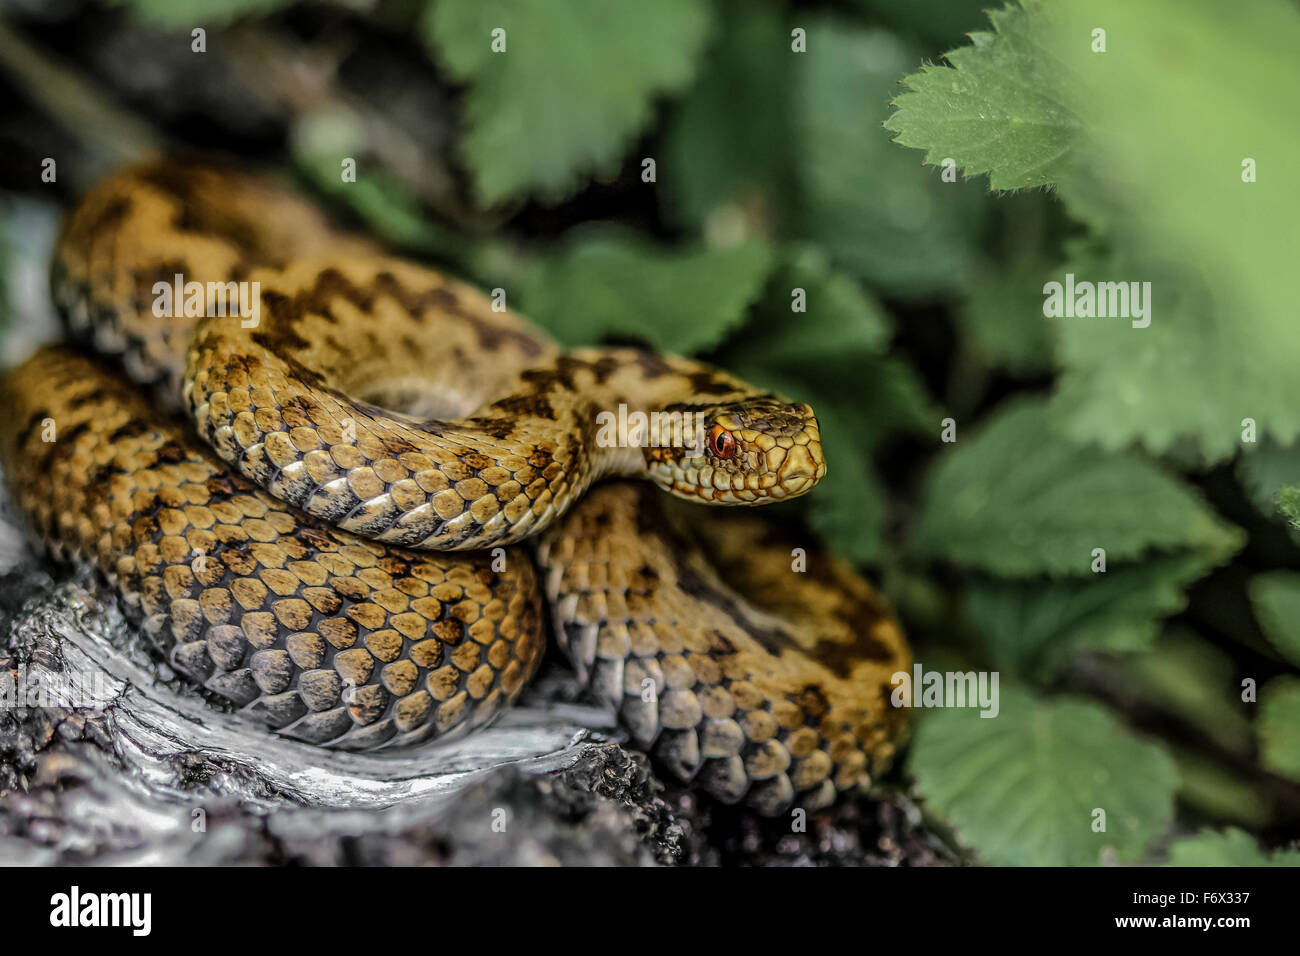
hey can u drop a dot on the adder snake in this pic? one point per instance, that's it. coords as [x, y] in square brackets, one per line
[339, 555]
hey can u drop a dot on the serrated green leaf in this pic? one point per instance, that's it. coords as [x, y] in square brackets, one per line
[1279, 726]
[1232, 847]
[836, 317]
[607, 282]
[575, 84]
[1037, 627]
[1288, 502]
[1022, 788]
[1189, 374]
[1127, 148]
[1017, 500]
[995, 110]
[1275, 595]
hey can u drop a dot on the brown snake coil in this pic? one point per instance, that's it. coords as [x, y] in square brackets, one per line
[375, 406]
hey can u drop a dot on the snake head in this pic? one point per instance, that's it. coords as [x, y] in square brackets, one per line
[754, 451]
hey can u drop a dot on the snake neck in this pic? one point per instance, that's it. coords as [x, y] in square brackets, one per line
[277, 402]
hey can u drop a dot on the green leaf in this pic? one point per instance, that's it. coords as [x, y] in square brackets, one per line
[1288, 502]
[773, 143]
[847, 508]
[727, 146]
[1232, 847]
[382, 200]
[1275, 595]
[995, 110]
[199, 13]
[1279, 726]
[1037, 627]
[1022, 788]
[1218, 791]
[1188, 677]
[1018, 500]
[866, 203]
[607, 282]
[1189, 374]
[575, 85]
[837, 318]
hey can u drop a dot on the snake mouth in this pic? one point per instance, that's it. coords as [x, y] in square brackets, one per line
[800, 469]
[798, 483]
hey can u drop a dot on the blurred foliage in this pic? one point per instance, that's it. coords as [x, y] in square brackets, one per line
[1276, 597]
[1033, 104]
[780, 234]
[1279, 726]
[1187, 677]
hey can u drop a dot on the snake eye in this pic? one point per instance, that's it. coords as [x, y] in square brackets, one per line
[722, 442]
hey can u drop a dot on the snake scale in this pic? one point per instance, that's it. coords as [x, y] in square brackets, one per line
[318, 515]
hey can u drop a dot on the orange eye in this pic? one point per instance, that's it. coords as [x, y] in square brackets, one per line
[722, 442]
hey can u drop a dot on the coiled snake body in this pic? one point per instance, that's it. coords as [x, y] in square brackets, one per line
[338, 555]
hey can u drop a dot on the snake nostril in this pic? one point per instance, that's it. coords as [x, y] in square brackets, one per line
[798, 463]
